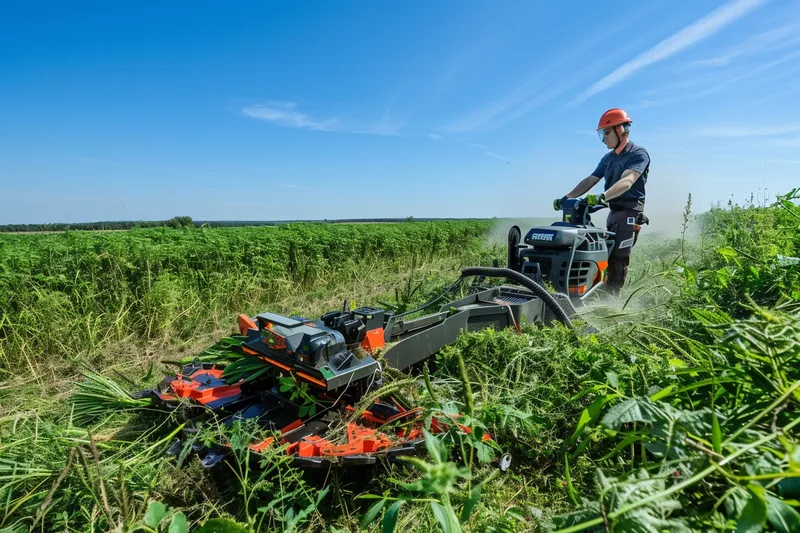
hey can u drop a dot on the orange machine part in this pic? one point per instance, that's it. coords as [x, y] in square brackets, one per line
[274, 363]
[373, 341]
[601, 268]
[580, 289]
[263, 445]
[313, 380]
[188, 389]
[245, 323]
[292, 426]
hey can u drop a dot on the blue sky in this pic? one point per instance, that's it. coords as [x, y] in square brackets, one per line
[286, 110]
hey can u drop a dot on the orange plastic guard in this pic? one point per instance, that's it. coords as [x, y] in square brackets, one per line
[601, 267]
[245, 323]
[191, 388]
[580, 289]
[373, 341]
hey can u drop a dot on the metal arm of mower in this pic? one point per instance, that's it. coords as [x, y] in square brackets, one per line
[526, 282]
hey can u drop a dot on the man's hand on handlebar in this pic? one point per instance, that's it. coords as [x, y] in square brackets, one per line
[558, 202]
[592, 200]
[595, 199]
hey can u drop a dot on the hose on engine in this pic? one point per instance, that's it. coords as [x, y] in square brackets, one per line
[512, 275]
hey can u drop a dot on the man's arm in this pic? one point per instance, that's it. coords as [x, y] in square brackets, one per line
[585, 186]
[625, 182]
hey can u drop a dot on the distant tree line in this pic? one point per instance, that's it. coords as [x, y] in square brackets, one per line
[186, 221]
[174, 222]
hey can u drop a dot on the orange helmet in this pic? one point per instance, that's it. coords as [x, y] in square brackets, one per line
[613, 117]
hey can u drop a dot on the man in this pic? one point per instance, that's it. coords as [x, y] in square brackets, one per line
[625, 170]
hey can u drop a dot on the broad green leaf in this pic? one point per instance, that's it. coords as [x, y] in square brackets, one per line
[156, 511]
[754, 513]
[781, 516]
[663, 393]
[179, 524]
[446, 518]
[484, 452]
[613, 379]
[677, 363]
[590, 414]
[728, 253]
[630, 410]
[434, 447]
[469, 505]
[373, 513]
[390, 518]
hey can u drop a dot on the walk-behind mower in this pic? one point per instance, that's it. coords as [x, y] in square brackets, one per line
[306, 380]
[571, 254]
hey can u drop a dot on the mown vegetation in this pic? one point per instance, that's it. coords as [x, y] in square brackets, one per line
[678, 413]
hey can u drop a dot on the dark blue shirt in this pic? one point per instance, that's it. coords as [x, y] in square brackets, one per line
[612, 166]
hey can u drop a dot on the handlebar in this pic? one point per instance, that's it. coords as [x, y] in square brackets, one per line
[577, 210]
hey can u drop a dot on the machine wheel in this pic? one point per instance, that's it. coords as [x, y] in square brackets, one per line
[514, 236]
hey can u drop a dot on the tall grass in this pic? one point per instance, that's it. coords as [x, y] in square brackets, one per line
[676, 411]
[63, 296]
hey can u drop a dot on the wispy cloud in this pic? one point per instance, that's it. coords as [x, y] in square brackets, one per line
[548, 82]
[485, 149]
[683, 39]
[459, 63]
[733, 79]
[286, 114]
[760, 43]
[511, 106]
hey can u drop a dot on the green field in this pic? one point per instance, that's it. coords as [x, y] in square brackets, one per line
[679, 414]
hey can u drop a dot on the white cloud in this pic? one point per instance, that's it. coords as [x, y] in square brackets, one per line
[683, 39]
[284, 114]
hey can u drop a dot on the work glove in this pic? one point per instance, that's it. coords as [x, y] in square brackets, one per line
[596, 199]
[558, 202]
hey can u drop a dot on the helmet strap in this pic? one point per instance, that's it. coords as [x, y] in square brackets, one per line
[619, 137]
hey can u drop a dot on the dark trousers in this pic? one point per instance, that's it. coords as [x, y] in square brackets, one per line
[626, 232]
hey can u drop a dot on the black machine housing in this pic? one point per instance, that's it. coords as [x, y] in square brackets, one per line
[571, 254]
[325, 351]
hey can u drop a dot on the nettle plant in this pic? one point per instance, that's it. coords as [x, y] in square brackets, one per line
[716, 448]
